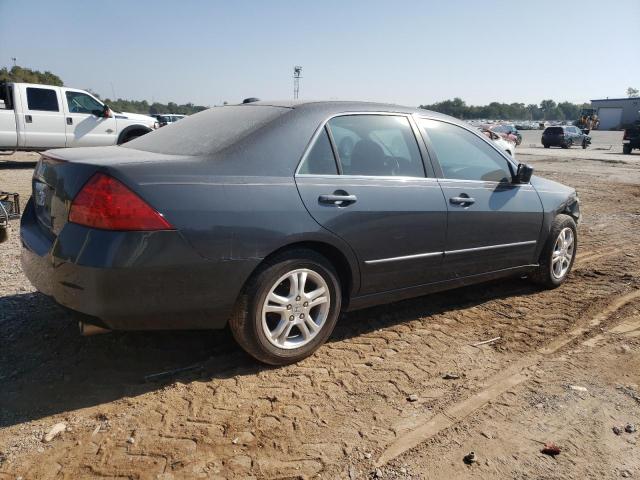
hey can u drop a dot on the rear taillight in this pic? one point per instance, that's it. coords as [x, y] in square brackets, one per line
[106, 203]
[626, 135]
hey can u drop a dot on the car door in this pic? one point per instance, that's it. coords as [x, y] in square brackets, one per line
[363, 178]
[493, 223]
[84, 122]
[42, 119]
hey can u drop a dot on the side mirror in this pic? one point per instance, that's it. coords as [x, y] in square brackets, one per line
[523, 175]
[106, 112]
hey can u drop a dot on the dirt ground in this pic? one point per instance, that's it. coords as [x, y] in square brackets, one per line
[398, 392]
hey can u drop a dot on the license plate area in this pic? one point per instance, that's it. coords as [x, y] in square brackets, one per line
[42, 195]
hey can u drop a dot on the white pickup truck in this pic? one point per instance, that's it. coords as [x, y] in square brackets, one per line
[39, 117]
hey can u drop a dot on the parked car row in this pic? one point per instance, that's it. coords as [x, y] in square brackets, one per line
[507, 145]
[167, 118]
[508, 131]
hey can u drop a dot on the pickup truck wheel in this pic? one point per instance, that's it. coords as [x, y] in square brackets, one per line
[545, 145]
[626, 149]
[558, 254]
[130, 136]
[288, 309]
[584, 144]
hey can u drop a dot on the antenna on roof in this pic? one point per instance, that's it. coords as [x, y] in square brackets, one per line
[297, 71]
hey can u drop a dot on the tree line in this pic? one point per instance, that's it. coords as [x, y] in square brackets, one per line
[27, 75]
[142, 106]
[546, 110]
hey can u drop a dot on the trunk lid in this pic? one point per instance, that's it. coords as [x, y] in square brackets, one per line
[60, 175]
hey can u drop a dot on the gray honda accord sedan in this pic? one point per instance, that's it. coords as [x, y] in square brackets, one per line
[274, 217]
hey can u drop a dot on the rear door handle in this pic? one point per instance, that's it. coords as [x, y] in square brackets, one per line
[28, 119]
[69, 121]
[338, 200]
[462, 200]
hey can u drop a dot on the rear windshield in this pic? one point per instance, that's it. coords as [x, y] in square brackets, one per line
[554, 130]
[207, 132]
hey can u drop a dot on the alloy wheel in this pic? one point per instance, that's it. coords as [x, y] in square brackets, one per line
[296, 308]
[562, 254]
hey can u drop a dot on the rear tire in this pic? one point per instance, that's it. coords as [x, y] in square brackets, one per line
[281, 318]
[626, 149]
[584, 144]
[558, 254]
[546, 146]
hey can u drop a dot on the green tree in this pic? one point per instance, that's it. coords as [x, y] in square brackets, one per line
[633, 92]
[26, 75]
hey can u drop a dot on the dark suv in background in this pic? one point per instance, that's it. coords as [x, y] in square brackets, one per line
[631, 138]
[564, 136]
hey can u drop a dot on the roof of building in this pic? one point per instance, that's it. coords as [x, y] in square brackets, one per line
[616, 99]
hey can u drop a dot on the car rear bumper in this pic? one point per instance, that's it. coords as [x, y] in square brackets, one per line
[131, 280]
[554, 141]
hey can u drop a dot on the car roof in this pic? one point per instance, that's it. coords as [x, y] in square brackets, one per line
[343, 106]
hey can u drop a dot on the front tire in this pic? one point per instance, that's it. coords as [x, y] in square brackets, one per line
[288, 308]
[558, 254]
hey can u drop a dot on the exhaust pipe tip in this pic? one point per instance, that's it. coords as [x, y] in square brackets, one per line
[88, 330]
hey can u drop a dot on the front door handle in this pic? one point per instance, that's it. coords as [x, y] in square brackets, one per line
[69, 121]
[339, 200]
[462, 200]
[28, 119]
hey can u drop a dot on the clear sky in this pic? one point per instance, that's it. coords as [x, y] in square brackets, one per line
[407, 52]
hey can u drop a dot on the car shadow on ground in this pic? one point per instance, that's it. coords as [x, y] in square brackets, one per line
[46, 368]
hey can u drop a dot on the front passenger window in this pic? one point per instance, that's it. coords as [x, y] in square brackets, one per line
[463, 155]
[82, 103]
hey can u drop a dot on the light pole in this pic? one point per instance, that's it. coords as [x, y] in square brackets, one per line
[297, 71]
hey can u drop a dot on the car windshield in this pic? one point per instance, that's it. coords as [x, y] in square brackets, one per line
[209, 131]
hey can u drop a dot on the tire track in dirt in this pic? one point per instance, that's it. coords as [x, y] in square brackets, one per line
[498, 385]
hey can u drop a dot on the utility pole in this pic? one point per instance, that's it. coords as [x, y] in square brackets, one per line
[14, 60]
[297, 71]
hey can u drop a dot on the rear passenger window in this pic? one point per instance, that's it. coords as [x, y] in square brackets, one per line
[376, 145]
[320, 159]
[42, 99]
[463, 155]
